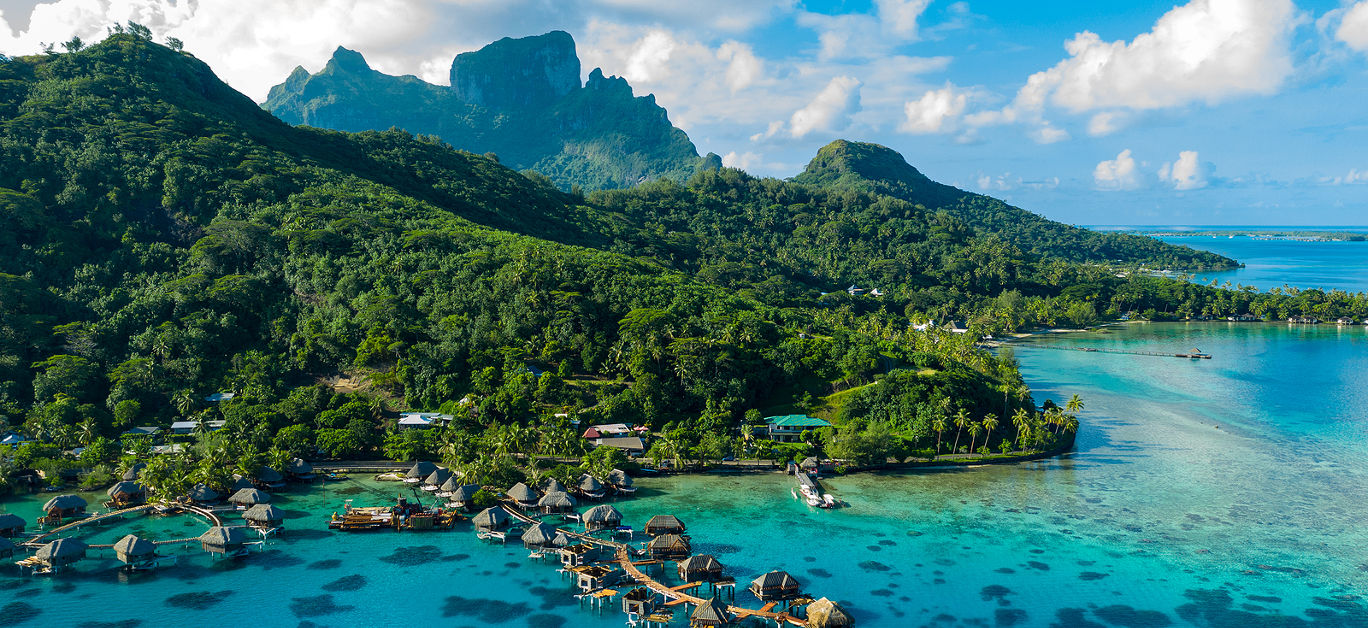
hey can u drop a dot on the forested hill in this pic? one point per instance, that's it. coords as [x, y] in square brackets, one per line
[520, 99]
[882, 170]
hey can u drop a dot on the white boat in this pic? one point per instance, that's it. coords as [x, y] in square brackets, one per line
[828, 501]
[813, 501]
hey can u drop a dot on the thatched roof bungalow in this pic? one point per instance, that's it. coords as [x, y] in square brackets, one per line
[523, 495]
[300, 469]
[264, 516]
[494, 518]
[664, 524]
[202, 494]
[669, 547]
[700, 568]
[64, 506]
[419, 471]
[539, 536]
[448, 487]
[269, 478]
[249, 497]
[556, 501]
[825, 613]
[437, 478]
[126, 493]
[223, 540]
[133, 549]
[464, 495]
[578, 554]
[712, 613]
[553, 485]
[11, 525]
[601, 517]
[639, 601]
[775, 585]
[61, 552]
[619, 479]
[590, 487]
[239, 483]
[134, 471]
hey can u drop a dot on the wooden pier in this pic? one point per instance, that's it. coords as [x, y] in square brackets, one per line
[1195, 354]
[41, 539]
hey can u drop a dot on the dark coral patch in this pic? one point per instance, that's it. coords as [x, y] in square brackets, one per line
[19, 612]
[994, 592]
[316, 606]
[1009, 617]
[486, 611]
[353, 582]
[1092, 575]
[197, 600]
[819, 572]
[329, 563]
[543, 620]
[413, 556]
[1122, 615]
[870, 565]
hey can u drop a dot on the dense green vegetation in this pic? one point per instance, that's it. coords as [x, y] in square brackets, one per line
[163, 238]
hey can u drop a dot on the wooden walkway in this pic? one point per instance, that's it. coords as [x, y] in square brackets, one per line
[673, 595]
[41, 539]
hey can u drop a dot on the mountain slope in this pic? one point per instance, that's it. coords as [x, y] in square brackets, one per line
[518, 98]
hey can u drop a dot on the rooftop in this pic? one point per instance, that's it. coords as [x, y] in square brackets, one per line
[797, 420]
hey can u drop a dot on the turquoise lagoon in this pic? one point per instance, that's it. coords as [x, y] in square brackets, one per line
[1227, 492]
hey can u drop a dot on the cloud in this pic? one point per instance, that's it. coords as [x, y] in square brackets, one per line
[1354, 177]
[743, 67]
[1353, 27]
[830, 110]
[1105, 123]
[866, 35]
[1047, 134]
[1187, 173]
[649, 57]
[1117, 174]
[935, 112]
[900, 16]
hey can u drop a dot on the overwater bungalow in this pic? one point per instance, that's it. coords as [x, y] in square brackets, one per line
[135, 552]
[556, 501]
[539, 536]
[6, 548]
[239, 483]
[300, 470]
[597, 576]
[601, 517]
[700, 568]
[11, 525]
[269, 479]
[203, 495]
[248, 497]
[437, 478]
[621, 482]
[230, 542]
[590, 487]
[775, 585]
[579, 554]
[60, 553]
[64, 506]
[553, 485]
[134, 471]
[464, 496]
[448, 487]
[419, 471]
[712, 613]
[264, 516]
[669, 547]
[639, 601]
[664, 524]
[491, 519]
[825, 613]
[126, 493]
[523, 495]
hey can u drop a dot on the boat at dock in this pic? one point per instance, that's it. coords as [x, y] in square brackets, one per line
[404, 515]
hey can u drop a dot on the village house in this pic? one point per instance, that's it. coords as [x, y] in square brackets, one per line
[789, 428]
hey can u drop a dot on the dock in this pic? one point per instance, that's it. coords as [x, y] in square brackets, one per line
[1195, 354]
[41, 539]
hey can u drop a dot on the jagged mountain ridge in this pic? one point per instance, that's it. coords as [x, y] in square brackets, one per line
[520, 99]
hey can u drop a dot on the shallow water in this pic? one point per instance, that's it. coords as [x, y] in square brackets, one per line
[1222, 493]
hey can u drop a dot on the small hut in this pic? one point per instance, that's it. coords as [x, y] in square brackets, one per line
[264, 516]
[539, 536]
[775, 585]
[556, 501]
[700, 568]
[464, 495]
[809, 464]
[11, 525]
[60, 553]
[202, 494]
[712, 613]
[639, 601]
[269, 478]
[300, 470]
[63, 506]
[437, 478]
[597, 576]
[669, 547]
[825, 613]
[135, 551]
[134, 471]
[239, 483]
[560, 540]
[448, 487]
[224, 540]
[621, 482]
[523, 495]
[590, 487]
[419, 471]
[6, 548]
[490, 519]
[578, 554]
[601, 517]
[553, 485]
[248, 497]
[664, 524]
[126, 493]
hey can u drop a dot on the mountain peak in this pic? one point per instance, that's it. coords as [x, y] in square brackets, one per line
[864, 160]
[525, 72]
[348, 60]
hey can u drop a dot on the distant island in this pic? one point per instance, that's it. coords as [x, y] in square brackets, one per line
[1269, 233]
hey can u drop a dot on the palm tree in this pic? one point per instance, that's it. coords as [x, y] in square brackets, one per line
[87, 431]
[990, 423]
[974, 430]
[1022, 420]
[961, 421]
[1075, 404]
[939, 424]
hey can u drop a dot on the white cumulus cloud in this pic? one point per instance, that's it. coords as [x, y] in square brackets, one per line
[743, 67]
[900, 16]
[1353, 27]
[1187, 173]
[935, 112]
[830, 110]
[1121, 173]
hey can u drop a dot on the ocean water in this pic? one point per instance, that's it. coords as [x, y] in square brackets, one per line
[1222, 493]
[1276, 263]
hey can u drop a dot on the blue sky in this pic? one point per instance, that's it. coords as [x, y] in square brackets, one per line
[1206, 112]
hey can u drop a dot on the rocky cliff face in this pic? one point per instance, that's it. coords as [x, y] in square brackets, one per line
[519, 98]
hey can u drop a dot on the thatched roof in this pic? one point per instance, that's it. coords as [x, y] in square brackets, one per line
[560, 540]
[825, 613]
[10, 520]
[618, 477]
[438, 477]
[249, 497]
[202, 493]
[557, 499]
[264, 513]
[224, 536]
[450, 485]
[714, 612]
[300, 466]
[589, 485]
[604, 513]
[421, 469]
[491, 518]
[64, 502]
[540, 534]
[61, 549]
[669, 541]
[810, 461]
[465, 493]
[775, 580]
[133, 545]
[639, 594]
[553, 485]
[135, 470]
[239, 483]
[268, 475]
[664, 522]
[522, 493]
[700, 563]
[126, 487]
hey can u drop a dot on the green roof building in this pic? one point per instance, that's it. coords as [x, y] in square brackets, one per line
[789, 428]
